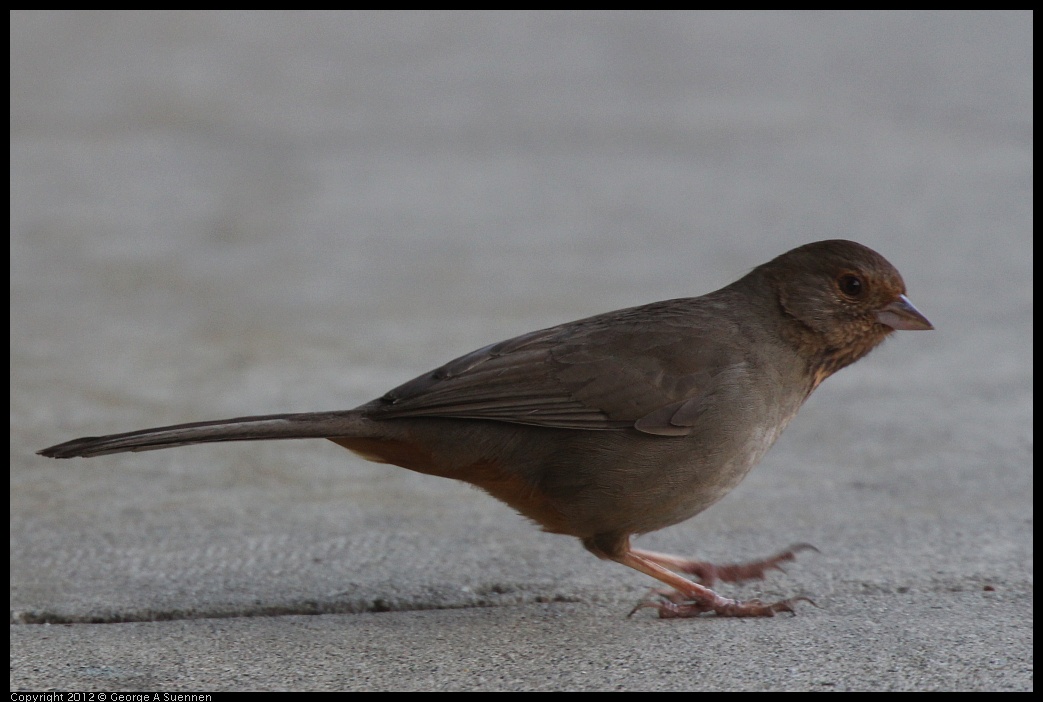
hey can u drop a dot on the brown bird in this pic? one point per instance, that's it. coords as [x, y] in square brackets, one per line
[622, 423]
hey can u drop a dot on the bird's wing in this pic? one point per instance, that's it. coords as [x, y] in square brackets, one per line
[645, 367]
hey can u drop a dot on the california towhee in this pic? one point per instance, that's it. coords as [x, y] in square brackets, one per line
[621, 423]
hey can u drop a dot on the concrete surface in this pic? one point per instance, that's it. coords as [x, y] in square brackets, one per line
[217, 214]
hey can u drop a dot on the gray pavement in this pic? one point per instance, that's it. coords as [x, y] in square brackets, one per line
[220, 214]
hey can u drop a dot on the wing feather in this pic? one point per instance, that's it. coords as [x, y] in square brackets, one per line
[601, 373]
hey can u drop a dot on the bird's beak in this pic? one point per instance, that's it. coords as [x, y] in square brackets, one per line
[901, 315]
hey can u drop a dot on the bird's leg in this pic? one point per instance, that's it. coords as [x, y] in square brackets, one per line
[691, 598]
[709, 573]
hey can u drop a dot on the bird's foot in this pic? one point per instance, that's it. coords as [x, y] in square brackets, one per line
[709, 573]
[672, 604]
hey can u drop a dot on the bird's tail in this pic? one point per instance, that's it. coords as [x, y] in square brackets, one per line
[311, 425]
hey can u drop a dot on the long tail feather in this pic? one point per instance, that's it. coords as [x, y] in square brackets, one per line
[311, 425]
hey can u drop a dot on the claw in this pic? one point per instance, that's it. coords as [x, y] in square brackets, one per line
[641, 605]
[651, 601]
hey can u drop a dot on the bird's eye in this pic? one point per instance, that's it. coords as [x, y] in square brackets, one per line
[851, 285]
